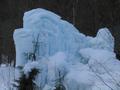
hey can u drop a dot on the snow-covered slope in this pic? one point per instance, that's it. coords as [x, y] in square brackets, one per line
[61, 52]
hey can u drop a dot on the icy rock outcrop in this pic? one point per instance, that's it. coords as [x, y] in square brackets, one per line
[60, 47]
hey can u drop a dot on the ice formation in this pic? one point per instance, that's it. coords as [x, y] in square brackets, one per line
[63, 52]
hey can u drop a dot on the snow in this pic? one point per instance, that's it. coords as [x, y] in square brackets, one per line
[97, 55]
[97, 58]
[56, 65]
[6, 77]
[3, 65]
[79, 80]
[83, 62]
[47, 87]
[104, 65]
[29, 66]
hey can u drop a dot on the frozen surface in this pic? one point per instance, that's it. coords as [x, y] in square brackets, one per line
[82, 62]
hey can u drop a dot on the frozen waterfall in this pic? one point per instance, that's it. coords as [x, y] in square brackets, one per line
[60, 47]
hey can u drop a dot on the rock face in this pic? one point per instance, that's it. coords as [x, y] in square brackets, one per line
[44, 34]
